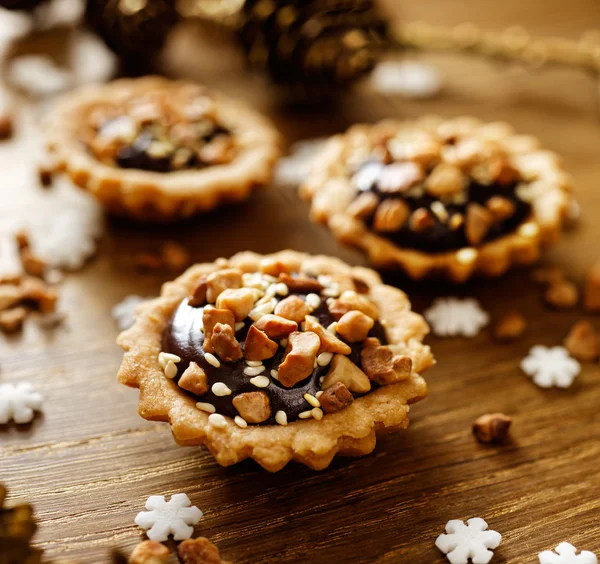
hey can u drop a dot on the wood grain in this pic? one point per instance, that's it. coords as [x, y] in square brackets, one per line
[89, 462]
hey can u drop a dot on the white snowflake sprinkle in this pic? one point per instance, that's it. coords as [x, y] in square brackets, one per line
[472, 540]
[38, 75]
[174, 517]
[411, 79]
[450, 317]
[124, 312]
[18, 402]
[550, 366]
[566, 553]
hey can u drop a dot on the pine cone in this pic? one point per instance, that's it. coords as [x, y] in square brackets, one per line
[135, 29]
[312, 43]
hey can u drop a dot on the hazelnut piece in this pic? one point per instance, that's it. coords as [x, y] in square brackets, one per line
[276, 327]
[258, 346]
[299, 359]
[582, 341]
[478, 223]
[149, 552]
[492, 428]
[329, 342]
[199, 551]
[510, 327]
[335, 398]
[210, 318]
[354, 326]
[301, 284]
[381, 365]
[240, 301]
[562, 295]
[224, 343]
[221, 280]
[193, 380]
[343, 370]
[292, 308]
[349, 301]
[198, 296]
[254, 407]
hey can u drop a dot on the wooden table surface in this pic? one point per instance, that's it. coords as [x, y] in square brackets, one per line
[89, 462]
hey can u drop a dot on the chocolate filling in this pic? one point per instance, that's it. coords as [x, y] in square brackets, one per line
[184, 338]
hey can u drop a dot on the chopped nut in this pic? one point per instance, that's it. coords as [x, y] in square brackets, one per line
[222, 280]
[240, 301]
[22, 239]
[275, 267]
[254, 407]
[501, 208]
[381, 365]
[335, 398]
[300, 355]
[360, 286]
[343, 370]
[582, 341]
[258, 346]
[224, 343]
[149, 552]
[562, 295]
[198, 297]
[510, 327]
[292, 308]
[194, 380]
[32, 264]
[478, 222]
[349, 301]
[421, 220]
[548, 275]
[199, 551]
[456, 221]
[36, 291]
[11, 320]
[354, 326]
[399, 177]
[175, 256]
[492, 428]
[301, 284]
[391, 215]
[445, 180]
[507, 174]
[9, 295]
[591, 289]
[210, 318]
[329, 342]
[6, 122]
[275, 326]
[363, 206]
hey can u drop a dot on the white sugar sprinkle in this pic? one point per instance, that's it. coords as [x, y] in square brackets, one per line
[281, 418]
[217, 420]
[324, 358]
[220, 389]
[204, 406]
[260, 381]
[240, 422]
[212, 359]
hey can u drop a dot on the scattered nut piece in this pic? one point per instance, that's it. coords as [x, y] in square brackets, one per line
[300, 355]
[510, 327]
[354, 326]
[399, 177]
[254, 407]
[501, 208]
[45, 172]
[274, 267]
[391, 215]
[591, 289]
[292, 308]
[175, 257]
[360, 286]
[198, 297]
[421, 220]
[363, 206]
[258, 346]
[445, 180]
[456, 221]
[149, 552]
[9, 295]
[193, 380]
[381, 365]
[582, 341]
[148, 261]
[478, 222]
[548, 275]
[335, 398]
[329, 342]
[11, 320]
[224, 343]
[210, 318]
[199, 551]
[32, 264]
[275, 326]
[492, 428]
[349, 301]
[343, 370]
[222, 280]
[240, 301]
[301, 284]
[562, 295]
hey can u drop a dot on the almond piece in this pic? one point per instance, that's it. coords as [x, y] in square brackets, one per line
[301, 284]
[363, 206]
[292, 308]
[32, 264]
[193, 380]
[210, 318]
[275, 326]
[221, 280]
[421, 220]
[445, 180]
[399, 177]
[199, 551]
[240, 301]
[198, 297]
[254, 407]
[350, 300]
[591, 289]
[562, 295]
[492, 428]
[224, 343]
[381, 365]
[354, 326]
[149, 552]
[500, 208]
[478, 222]
[391, 215]
[11, 320]
[258, 346]
[582, 341]
[299, 359]
[343, 370]
[335, 398]
[329, 342]
[510, 327]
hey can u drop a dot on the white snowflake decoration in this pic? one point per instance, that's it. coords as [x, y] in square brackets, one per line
[124, 312]
[472, 540]
[550, 366]
[566, 553]
[293, 169]
[450, 317]
[38, 76]
[174, 517]
[18, 402]
[411, 79]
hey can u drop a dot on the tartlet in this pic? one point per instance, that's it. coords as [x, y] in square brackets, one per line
[434, 197]
[160, 150]
[279, 357]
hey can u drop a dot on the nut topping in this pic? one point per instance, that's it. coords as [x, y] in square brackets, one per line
[258, 346]
[478, 222]
[292, 308]
[363, 206]
[199, 551]
[254, 407]
[492, 428]
[210, 318]
[198, 297]
[240, 301]
[343, 370]
[335, 398]
[349, 301]
[510, 327]
[301, 284]
[275, 326]
[501, 208]
[224, 343]
[582, 341]
[194, 380]
[221, 280]
[354, 326]
[381, 365]
[562, 295]
[399, 177]
[149, 552]
[329, 342]
[421, 220]
[11, 320]
[445, 181]
[300, 355]
[391, 215]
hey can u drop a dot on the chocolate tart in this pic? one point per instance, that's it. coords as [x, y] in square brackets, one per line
[279, 357]
[435, 197]
[160, 150]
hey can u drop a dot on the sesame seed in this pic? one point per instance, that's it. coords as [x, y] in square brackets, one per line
[217, 420]
[170, 369]
[239, 326]
[220, 389]
[254, 362]
[466, 256]
[260, 381]
[319, 394]
[312, 400]
[317, 413]
[529, 230]
[240, 422]
[281, 418]
[321, 380]
[324, 358]
[305, 415]
[332, 292]
[281, 289]
[204, 406]
[275, 374]
[164, 358]
[208, 307]
[269, 278]
[254, 370]
[332, 328]
[283, 343]
[313, 301]
[263, 309]
[440, 211]
[212, 359]
[324, 280]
